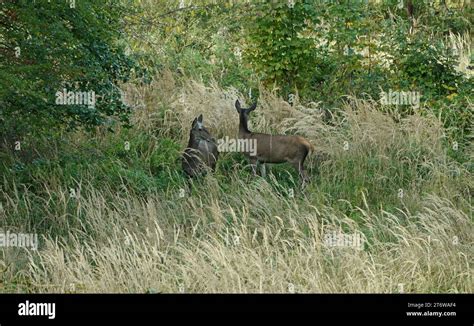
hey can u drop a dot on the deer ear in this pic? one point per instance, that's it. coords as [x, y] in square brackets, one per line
[237, 106]
[200, 118]
[253, 107]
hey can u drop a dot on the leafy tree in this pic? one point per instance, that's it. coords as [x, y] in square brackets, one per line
[278, 43]
[48, 47]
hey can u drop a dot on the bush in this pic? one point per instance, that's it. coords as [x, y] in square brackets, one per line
[48, 47]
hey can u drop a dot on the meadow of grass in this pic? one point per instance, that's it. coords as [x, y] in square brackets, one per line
[113, 218]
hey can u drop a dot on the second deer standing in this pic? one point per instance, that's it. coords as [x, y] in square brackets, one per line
[274, 148]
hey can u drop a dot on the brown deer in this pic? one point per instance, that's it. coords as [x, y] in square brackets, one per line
[201, 152]
[274, 148]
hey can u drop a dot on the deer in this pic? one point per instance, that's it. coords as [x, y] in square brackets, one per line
[274, 148]
[201, 152]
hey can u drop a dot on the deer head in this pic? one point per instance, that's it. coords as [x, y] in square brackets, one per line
[198, 132]
[244, 115]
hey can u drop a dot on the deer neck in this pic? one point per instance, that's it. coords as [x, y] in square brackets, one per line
[243, 128]
[193, 140]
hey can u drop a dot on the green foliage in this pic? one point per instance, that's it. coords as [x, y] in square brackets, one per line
[278, 46]
[47, 47]
[430, 68]
[130, 183]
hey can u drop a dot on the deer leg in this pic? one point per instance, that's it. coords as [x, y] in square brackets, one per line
[253, 164]
[263, 170]
[304, 176]
[298, 165]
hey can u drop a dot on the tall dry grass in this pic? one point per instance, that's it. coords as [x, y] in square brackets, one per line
[230, 233]
[254, 241]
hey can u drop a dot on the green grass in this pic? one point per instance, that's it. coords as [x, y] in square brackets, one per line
[137, 222]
